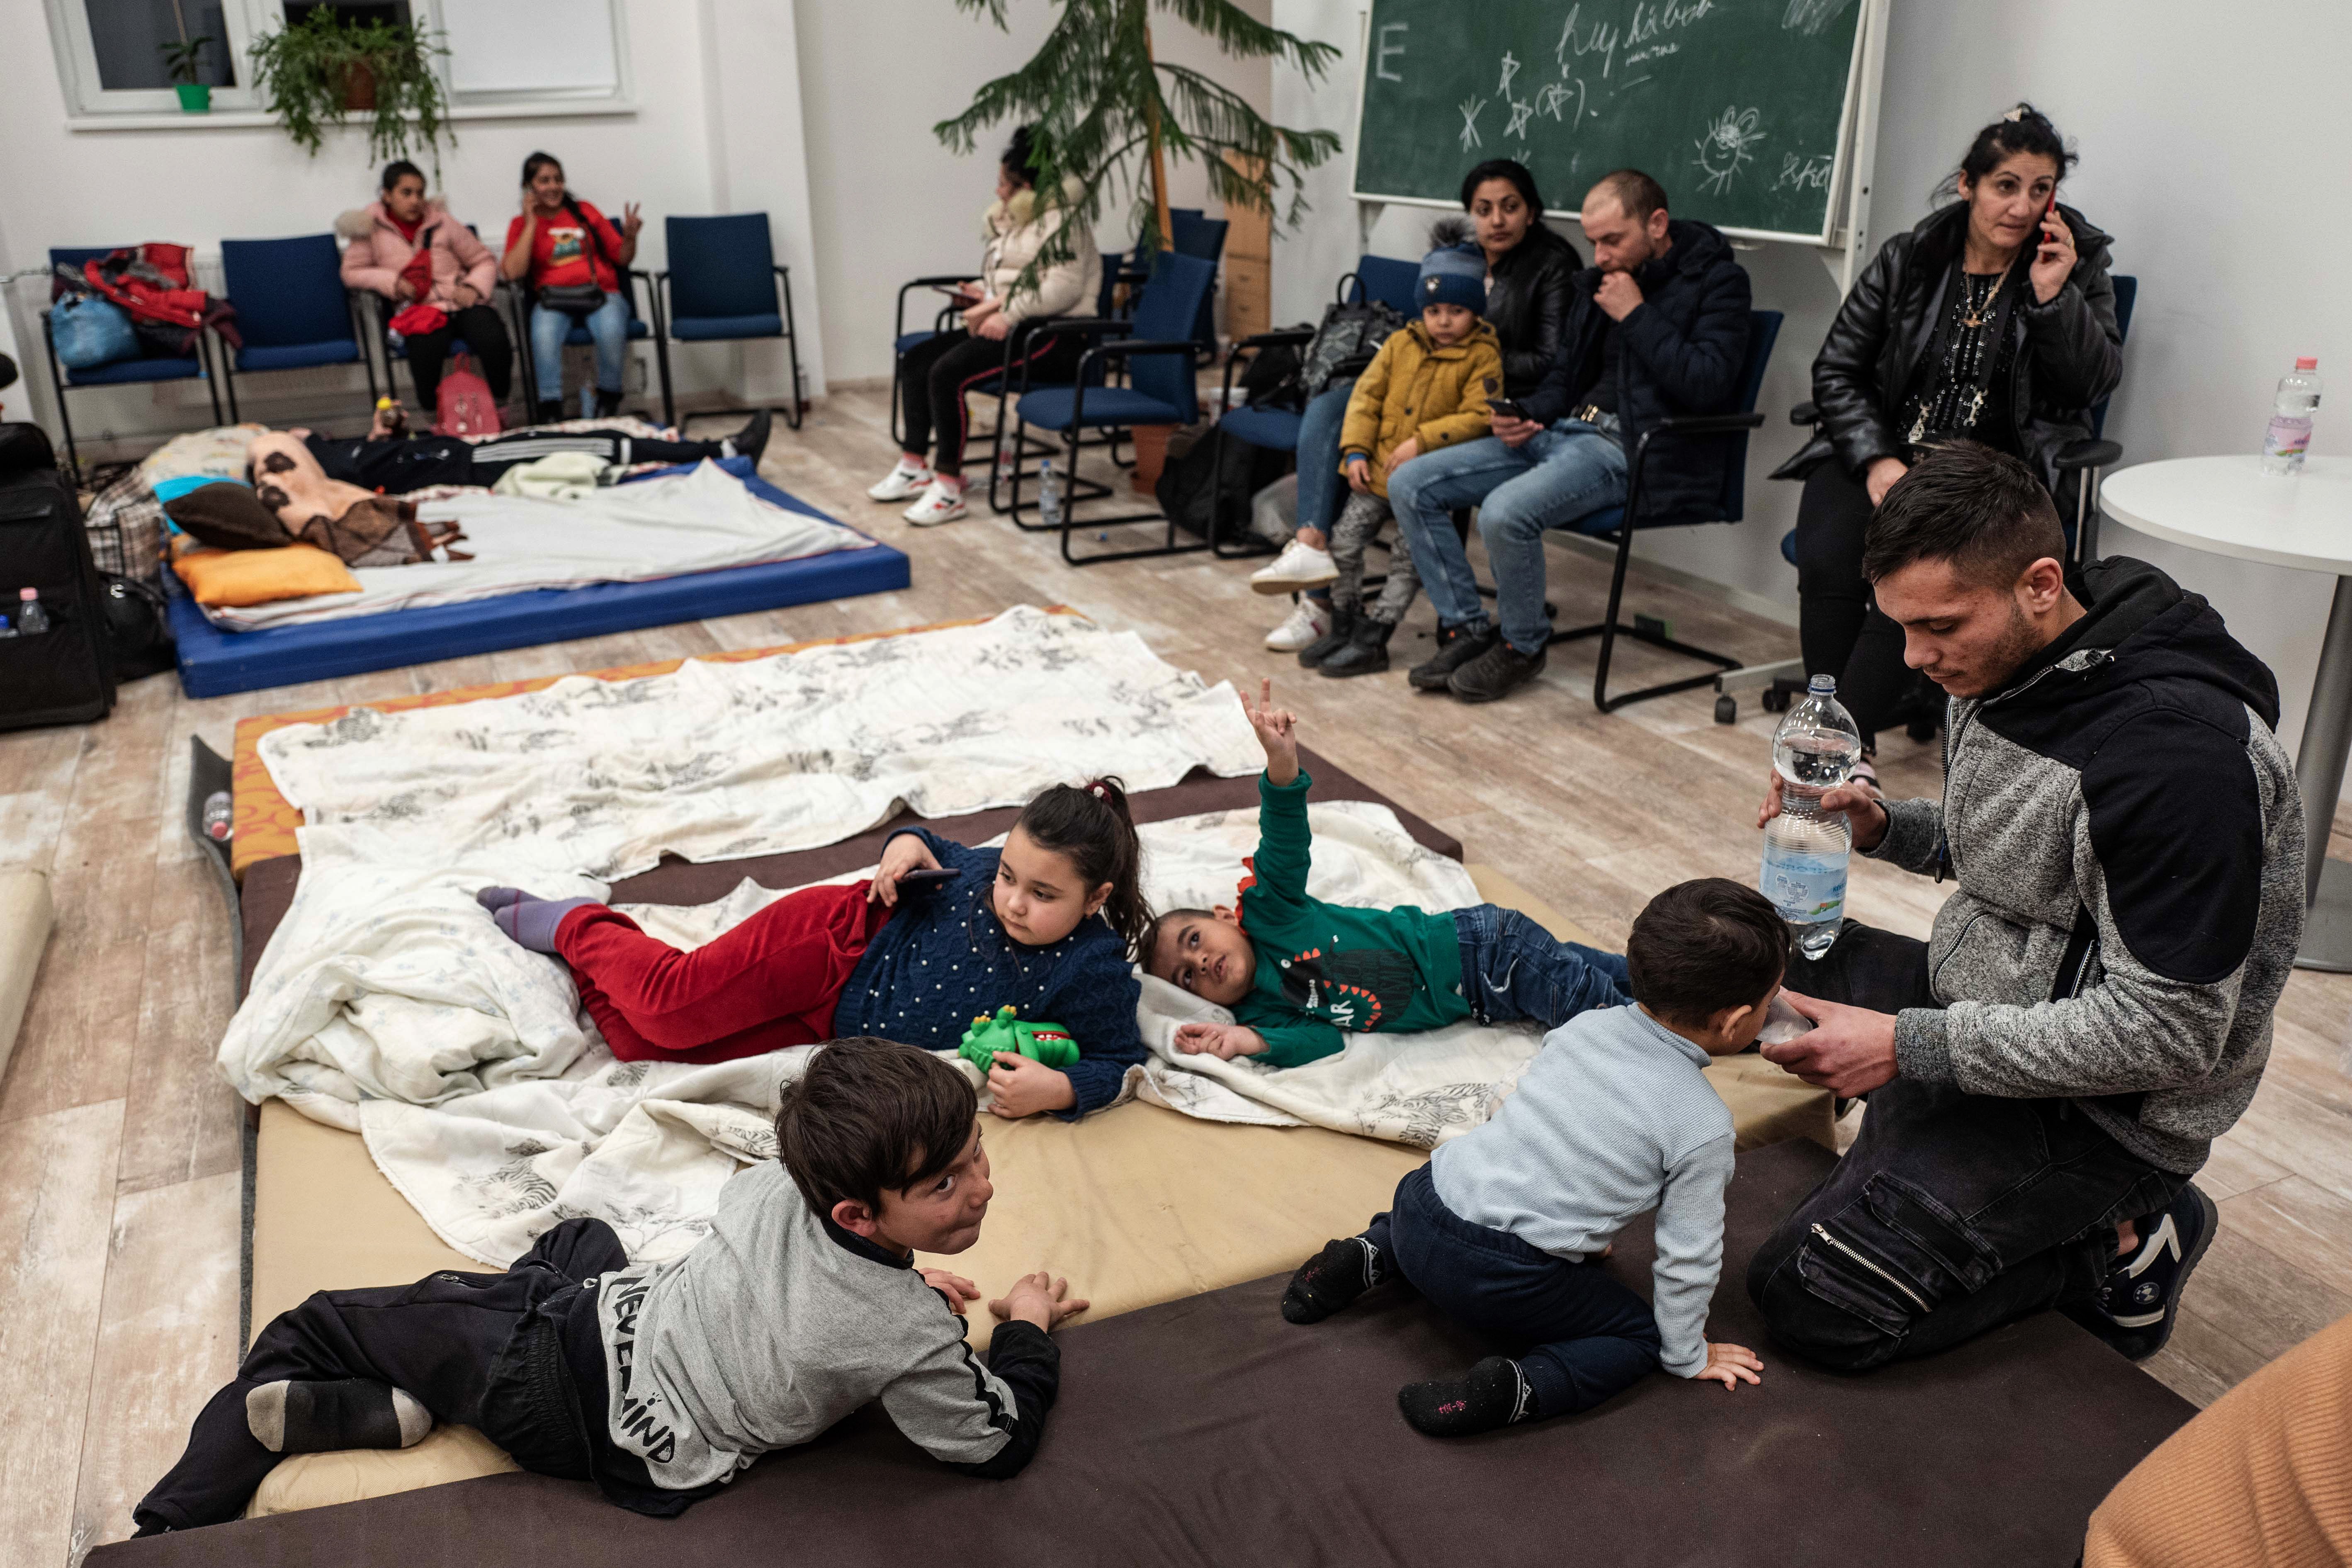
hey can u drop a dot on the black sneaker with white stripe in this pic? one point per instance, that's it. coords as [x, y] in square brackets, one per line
[2140, 1297]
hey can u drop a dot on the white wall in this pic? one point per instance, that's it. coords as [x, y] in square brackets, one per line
[2208, 150]
[714, 129]
[889, 200]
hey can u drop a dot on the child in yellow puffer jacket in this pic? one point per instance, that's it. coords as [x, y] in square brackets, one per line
[1426, 388]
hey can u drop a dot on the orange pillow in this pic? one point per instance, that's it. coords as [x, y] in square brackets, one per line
[234, 577]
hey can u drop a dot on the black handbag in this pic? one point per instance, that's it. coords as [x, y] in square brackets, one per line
[574, 299]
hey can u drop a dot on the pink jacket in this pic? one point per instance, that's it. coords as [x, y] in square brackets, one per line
[375, 259]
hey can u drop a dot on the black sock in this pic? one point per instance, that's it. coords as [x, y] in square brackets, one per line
[1334, 1276]
[1493, 1394]
[296, 1418]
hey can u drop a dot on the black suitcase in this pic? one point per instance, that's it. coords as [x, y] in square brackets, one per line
[64, 674]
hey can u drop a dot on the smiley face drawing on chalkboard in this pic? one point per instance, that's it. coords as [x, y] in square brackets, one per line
[1722, 147]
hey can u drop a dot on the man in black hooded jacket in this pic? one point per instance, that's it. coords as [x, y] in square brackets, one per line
[1658, 325]
[2046, 1073]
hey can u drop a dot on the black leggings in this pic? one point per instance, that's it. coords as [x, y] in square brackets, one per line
[1839, 627]
[411, 463]
[935, 375]
[485, 334]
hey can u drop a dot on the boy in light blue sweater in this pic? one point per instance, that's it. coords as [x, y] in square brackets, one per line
[1613, 1118]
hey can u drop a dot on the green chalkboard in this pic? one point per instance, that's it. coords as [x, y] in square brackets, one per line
[1737, 107]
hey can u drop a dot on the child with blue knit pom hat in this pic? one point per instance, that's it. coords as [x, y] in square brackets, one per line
[1427, 388]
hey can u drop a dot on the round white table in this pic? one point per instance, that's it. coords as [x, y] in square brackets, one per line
[2229, 506]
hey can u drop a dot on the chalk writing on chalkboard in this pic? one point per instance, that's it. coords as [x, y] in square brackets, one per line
[1470, 108]
[1811, 15]
[1722, 147]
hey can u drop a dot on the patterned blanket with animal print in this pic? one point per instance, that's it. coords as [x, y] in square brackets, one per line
[389, 1004]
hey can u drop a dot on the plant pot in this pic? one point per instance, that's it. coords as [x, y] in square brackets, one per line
[359, 87]
[1150, 455]
[196, 97]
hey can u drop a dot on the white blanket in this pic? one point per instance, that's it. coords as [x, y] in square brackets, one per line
[387, 1002]
[697, 522]
[723, 760]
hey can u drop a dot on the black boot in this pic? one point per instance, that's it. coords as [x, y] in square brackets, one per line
[1456, 645]
[1343, 628]
[1367, 652]
[607, 403]
[752, 439]
[1499, 671]
[544, 412]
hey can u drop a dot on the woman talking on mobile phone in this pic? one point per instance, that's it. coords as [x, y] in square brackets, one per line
[1993, 320]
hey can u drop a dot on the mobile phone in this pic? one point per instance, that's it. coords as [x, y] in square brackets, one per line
[930, 876]
[1508, 409]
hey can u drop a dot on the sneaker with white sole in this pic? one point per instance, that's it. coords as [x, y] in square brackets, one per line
[902, 481]
[1300, 566]
[1309, 620]
[942, 502]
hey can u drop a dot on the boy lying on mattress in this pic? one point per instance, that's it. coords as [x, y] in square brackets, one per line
[941, 935]
[1295, 971]
[660, 1382]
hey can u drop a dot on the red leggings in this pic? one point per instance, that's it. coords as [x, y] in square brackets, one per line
[769, 982]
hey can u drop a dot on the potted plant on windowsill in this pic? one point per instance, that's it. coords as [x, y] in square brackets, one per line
[315, 72]
[183, 63]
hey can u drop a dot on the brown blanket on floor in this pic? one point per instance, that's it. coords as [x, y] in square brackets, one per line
[1208, 1431]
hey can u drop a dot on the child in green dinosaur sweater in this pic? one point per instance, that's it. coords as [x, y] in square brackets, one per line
[1297, 972]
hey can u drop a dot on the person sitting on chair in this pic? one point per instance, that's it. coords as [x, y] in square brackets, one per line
[941, 369]
[1657, 326]
[574, 259]
[1993, 319]
[414, 254]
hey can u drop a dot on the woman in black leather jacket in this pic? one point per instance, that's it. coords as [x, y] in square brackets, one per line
[1528, 266]
[1994, 321]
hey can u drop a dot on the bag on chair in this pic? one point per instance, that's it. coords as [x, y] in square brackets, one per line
[463, 406]
[1344, 344]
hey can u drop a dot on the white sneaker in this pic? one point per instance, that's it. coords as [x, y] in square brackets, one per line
[905, 479]
[1300, 566]
[1310, 619]
[941, 503]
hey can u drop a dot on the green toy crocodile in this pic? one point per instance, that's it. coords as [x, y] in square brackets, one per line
[1048, 1043]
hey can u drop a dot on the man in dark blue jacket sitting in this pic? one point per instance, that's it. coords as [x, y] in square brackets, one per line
[1657, 326]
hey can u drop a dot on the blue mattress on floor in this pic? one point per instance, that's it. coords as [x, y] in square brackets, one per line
[214, 663]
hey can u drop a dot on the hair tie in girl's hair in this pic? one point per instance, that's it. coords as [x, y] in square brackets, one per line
[1099, 790]
[2020, 113]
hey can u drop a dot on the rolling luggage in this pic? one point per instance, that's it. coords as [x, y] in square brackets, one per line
[63, 674]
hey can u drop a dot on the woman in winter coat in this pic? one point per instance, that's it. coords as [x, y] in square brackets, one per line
[935, 375]
[1528, 266]
[1994, 321]
[411, 251]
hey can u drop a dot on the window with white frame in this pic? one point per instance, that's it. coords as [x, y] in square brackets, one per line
[504, 56]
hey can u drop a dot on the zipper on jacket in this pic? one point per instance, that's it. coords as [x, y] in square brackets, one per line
[1874, 1268]
[1944, 861]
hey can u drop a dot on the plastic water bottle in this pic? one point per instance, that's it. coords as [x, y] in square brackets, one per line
[1806, 849]
[31, 620]
[2289, 437]
[220, 817]
[1053, 503]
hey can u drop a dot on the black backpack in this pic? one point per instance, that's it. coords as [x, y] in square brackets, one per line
[64, 674]
[1344, 344]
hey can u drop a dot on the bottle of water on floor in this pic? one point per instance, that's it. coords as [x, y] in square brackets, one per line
[31, 620]
[1053, 501]
[1805, 847]
[2289, 437]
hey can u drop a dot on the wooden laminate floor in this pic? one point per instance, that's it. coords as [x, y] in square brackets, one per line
[119, 1143]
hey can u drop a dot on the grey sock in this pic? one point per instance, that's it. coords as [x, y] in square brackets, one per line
[299, 1417]
[532, 921]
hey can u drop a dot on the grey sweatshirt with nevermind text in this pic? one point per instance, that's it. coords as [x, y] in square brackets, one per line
[1612, 1119]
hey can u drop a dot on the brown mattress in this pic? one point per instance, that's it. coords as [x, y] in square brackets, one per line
[1207, 1430]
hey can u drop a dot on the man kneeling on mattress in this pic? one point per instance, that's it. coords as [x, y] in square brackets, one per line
[660, 1382]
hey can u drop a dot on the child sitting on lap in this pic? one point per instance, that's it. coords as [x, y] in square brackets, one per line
[660, 1382]
[1613, 1118]
[1046, 924]
[1297, 972]
[1425, 390]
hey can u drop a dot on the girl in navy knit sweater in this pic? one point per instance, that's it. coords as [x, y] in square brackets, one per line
[1047, 924]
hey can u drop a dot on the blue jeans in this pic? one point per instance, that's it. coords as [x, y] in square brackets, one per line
[1320, 488]
[1578, 1335]
[1513, 968]
[1555, 476]
[608, 325]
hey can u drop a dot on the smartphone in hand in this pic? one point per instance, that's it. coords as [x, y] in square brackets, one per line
[928, 877]
[1506, 407]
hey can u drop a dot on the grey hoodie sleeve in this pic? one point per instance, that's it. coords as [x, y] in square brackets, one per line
[1915, 835]
[1690, 1254]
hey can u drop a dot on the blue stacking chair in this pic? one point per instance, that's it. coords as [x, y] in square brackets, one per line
[146, 367]
[2086, 459]
[1388, 280]
[291, 309]
[724, 284]
[1158, 358]
[1618, 524]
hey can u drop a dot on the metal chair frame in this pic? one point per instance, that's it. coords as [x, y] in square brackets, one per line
[797, 407]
